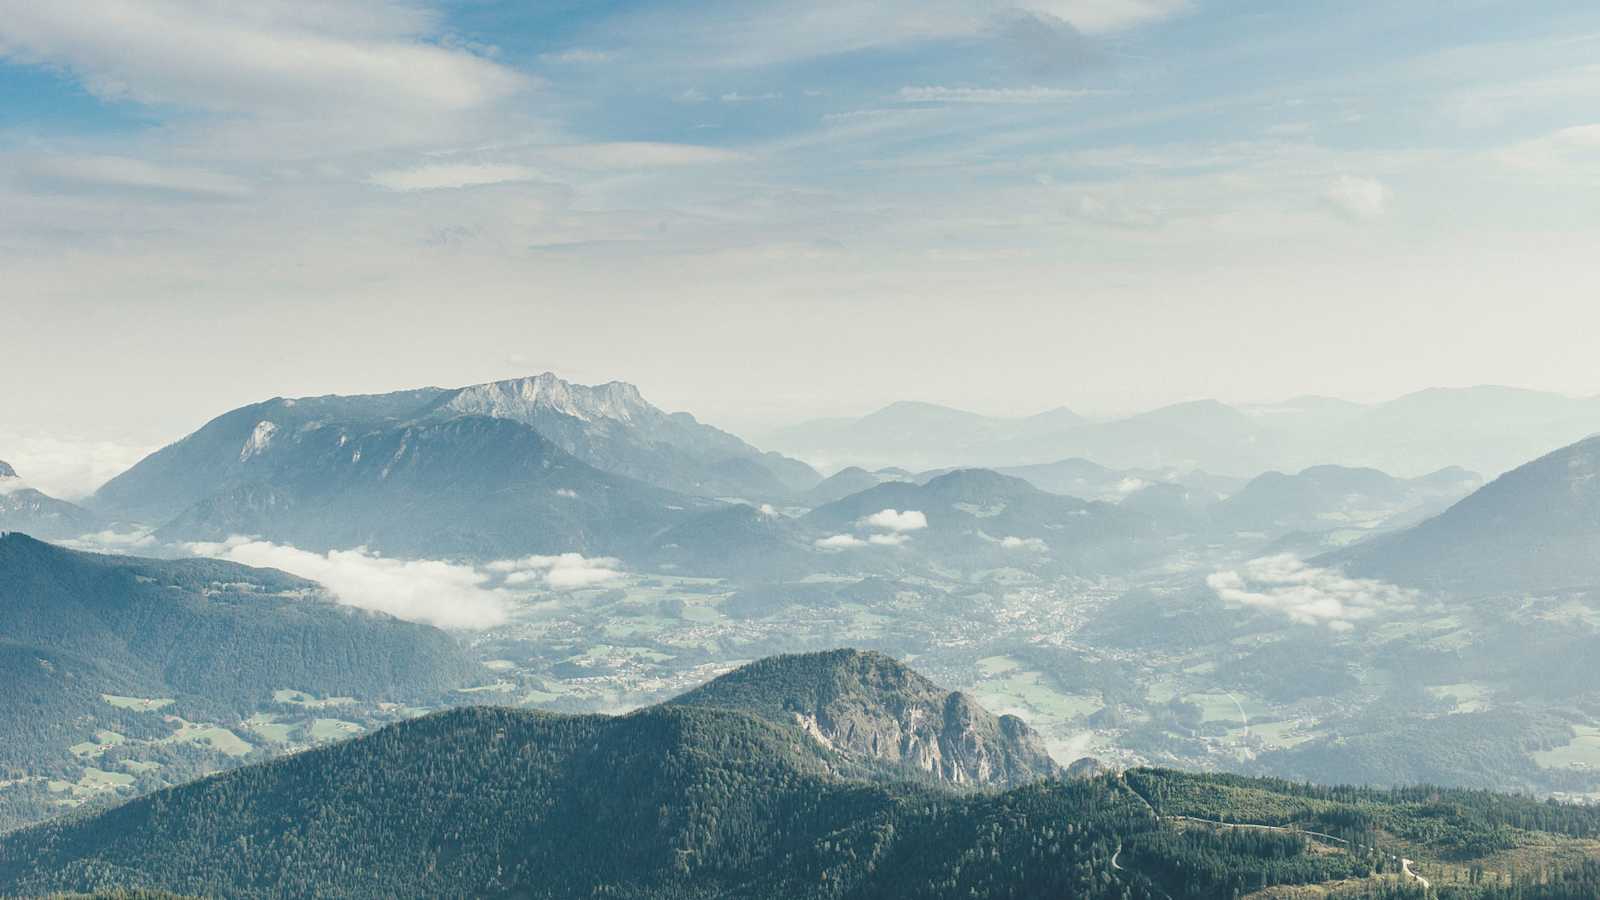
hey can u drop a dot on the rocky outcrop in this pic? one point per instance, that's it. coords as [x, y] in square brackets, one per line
[869, 706]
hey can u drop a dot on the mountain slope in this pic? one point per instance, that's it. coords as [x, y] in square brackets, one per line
[472, 486]
[76, 626]
[867, 705]
[1326, 497]
[23, 508]
[841, 484]
[1534, 528]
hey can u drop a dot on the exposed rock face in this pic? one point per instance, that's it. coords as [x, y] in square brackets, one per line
[870, 706]
[1087, 767]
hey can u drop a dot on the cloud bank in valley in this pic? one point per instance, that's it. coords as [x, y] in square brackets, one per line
[1307, 594]
[567, 571]
[449, 595]
[840, 542]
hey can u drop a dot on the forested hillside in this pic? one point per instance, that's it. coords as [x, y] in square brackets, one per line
[681, 801]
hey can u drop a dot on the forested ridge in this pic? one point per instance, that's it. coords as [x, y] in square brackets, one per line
[682, 802]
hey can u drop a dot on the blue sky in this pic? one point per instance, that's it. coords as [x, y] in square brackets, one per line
[764, 211]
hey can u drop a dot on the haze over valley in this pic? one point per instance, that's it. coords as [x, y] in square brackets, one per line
[1108, 449]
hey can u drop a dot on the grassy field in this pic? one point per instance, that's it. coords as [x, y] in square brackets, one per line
[213, 736]
[268, 727]
[333, 729]
[138, 704]
[1583, 752]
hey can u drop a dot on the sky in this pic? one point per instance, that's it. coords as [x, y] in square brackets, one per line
[764, 212]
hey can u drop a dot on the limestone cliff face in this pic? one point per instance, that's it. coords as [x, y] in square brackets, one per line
[869, 706]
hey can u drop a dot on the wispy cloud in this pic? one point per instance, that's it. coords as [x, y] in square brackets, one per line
[272, 54]
[451, 175]
[578, 56]
[134, 174]
[1569, 151]
[1011, 96]
[1309, 595]
[639, 155]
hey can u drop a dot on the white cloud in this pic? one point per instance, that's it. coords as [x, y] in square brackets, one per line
[1359, 197]
[895, 520]
[564, 572]
[1309, 595]
[64, 467]
[938, 94]
[278, 54]
[137, 174]
[888, 540]
[1131, 485]
[451, 175]
[840, 542]
[450, 595]
[1011, 542]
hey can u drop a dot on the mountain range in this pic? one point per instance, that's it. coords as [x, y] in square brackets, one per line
[1486, 429]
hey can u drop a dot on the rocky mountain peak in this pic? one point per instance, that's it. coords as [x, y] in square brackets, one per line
[523, 399]
[870, 706]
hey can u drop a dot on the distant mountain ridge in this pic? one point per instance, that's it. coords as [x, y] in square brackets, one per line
[1486, 429]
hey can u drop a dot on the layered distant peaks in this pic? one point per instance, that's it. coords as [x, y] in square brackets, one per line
[6, 471]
